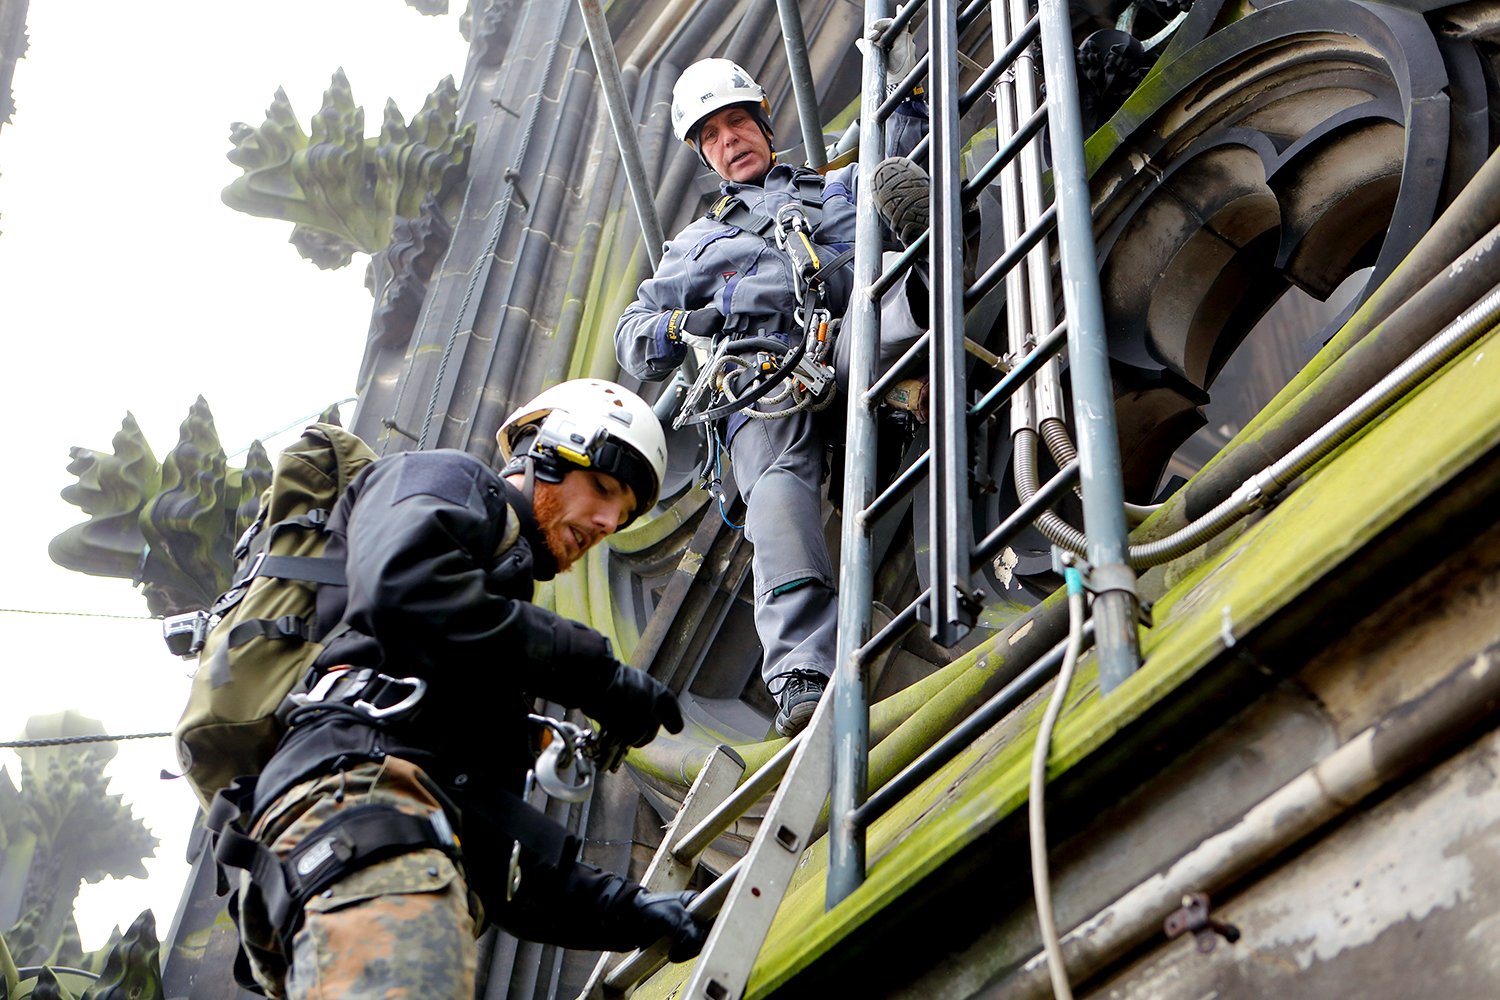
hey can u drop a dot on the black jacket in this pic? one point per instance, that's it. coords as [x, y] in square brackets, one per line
[434, 593]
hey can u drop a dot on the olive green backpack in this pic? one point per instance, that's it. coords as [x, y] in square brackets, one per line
[261, 638]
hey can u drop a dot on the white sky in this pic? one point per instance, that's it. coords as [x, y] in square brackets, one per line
[127, 285]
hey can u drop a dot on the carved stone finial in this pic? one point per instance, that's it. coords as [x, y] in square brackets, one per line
[168, 527]
[343, 191]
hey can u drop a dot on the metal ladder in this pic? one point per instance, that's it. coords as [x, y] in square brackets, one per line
[747, 896]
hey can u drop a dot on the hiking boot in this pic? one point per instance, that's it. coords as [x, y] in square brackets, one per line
[797, 699]
[903, 197]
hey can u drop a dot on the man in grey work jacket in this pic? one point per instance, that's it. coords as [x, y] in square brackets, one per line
[723, 276]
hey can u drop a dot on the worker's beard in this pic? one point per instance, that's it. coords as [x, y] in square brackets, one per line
[546, 504]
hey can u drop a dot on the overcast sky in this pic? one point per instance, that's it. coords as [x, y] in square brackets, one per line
[127, 285]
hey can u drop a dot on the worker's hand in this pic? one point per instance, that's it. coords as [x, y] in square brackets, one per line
[705, 322]
[634, 706]
[667, 913]
[903, 54]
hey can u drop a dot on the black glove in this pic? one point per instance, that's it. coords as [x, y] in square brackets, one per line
[705, 322]
[667, 914]
[633, 706]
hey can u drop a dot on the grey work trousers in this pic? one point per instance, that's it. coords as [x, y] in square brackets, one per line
[778, 467]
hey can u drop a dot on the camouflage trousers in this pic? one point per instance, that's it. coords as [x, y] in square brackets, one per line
[402, 927]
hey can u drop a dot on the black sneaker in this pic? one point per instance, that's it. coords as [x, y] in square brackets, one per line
[903, 197]
[797, 699]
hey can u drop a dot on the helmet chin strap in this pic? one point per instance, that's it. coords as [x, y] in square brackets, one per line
[528, 484]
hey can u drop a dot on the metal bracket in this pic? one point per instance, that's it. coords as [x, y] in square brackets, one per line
[1194, 916]
[1102, 579]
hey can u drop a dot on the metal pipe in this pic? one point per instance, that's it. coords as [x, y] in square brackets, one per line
[1414, 735]
[1469, 276]
[802, 84]
[990, 404]
[1017, 310]
[951, 528]
[1038, 266]
[1257, 491]
[603, 48]
[1110, 577]
[960, 737]
[1473, 214]
[851, 705]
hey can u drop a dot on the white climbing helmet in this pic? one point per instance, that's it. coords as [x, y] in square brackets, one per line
[707, 86]
[589, 423]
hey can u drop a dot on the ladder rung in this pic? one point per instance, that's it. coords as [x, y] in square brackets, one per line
[903, 485]
[1039, 355]
[762, 781]
[1026, 513]
[671, 869]
[1012, 256]
[1004, 155]
[1029, 32]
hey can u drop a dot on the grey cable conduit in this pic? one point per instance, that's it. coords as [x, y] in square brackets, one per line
[1060, 444]
[1257, 491]
[1041, 878]
[1411, 736]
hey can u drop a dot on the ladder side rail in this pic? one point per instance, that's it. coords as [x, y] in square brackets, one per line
[1109, 574]
[734, 942]
[850, 750]
[671, 869]
[952, 609]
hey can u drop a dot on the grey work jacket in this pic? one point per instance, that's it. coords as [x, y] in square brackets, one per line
[743, 274]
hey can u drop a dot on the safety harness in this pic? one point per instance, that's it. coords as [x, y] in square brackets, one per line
[747, 368]
[362, 835]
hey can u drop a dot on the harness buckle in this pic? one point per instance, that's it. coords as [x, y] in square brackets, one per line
[418, 691]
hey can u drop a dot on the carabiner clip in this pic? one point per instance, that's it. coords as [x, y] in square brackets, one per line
[564, 756]
[418, 689]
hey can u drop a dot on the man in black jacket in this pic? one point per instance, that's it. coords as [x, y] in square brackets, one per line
[392, 809]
